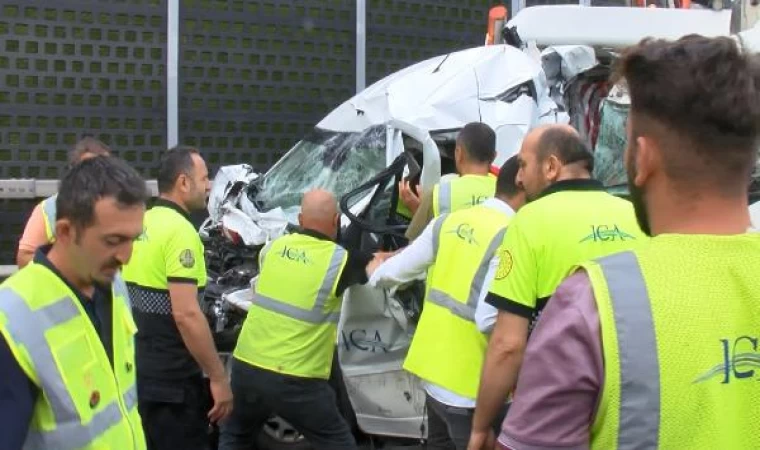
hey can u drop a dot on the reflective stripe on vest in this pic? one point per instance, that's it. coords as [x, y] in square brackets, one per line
[316, 314]
[639, 425]
[440, 298]
[70, 433]
[444, 198]
[49, 212]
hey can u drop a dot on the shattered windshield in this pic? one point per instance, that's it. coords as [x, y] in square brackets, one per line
[609, 152]
[336, 161]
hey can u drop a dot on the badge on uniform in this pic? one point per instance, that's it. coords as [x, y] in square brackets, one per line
[187, 259]
[505, 265]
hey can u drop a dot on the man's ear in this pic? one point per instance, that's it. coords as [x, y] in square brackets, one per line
[300, 220]
[552, 167]
[183, 182]
[336, 220]
[648, 160]
[65, 231]
[457, 154]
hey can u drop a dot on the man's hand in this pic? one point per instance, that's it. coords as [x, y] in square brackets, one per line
[222, 395]
[379, 258]
[482, 440]
[407, 195]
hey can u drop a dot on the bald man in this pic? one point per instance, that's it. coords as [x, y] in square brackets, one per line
[568, 219]
[284, 354]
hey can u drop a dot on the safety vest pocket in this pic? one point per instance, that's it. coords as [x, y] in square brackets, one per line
[77, 364]
[129, 329]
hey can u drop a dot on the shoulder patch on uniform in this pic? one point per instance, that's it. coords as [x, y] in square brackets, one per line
[505, 264]
[187, 259]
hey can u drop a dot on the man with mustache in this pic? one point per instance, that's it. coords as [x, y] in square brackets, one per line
[569, 219]
[67, 359]
[166, 278]
[657, 347]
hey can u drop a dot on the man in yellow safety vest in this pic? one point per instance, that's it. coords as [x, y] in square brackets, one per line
[67, 358]
[569, 218]
[658, 347]
[40, 228]
[284, 353]
[474, 153]
[458, 252]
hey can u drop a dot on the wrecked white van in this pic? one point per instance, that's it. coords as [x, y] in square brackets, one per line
[404, 126]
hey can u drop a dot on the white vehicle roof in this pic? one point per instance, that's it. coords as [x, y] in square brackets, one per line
[615, 27]
[461, 90]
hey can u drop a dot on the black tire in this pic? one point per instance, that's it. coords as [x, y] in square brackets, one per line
[277, 434]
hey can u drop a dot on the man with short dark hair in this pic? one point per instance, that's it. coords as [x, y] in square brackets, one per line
[570, 218]
[458, 252]
[40, 228]
[474, 153]
[166, 278]
[67, 360]
[657, 344]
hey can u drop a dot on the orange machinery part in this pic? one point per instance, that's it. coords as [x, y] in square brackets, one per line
[498, 12]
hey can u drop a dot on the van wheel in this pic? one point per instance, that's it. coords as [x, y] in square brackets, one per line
[277, 434]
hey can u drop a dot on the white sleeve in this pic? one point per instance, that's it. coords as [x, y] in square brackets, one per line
[485, 314]
[407, 265]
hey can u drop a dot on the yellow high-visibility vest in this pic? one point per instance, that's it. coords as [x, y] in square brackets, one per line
[447, 348]
[49, 215]
[574, 221]
[85, 402]
[462, 192]
[292, 324]
[680, 326]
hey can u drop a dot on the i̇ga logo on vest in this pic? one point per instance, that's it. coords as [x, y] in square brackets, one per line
[476, 200]
[740, 359]
[465, 232]
[295, 254]
[606, 233]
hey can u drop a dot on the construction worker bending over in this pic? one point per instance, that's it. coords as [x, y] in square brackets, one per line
[458, 252]
[284, 354]
[40, 228]
[668, 331]
[67, 361]
[166, 278]
[569, 219]
[473, 155]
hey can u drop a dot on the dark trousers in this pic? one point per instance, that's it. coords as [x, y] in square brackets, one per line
[307, 404]
[174, 413]
[449, 427]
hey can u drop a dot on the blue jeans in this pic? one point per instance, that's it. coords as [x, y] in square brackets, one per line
[307, 404]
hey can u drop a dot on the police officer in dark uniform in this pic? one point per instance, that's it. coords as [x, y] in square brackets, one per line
[166, 277]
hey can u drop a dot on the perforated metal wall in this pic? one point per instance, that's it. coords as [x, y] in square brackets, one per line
[70, 67]
[73, 67]
[400, 33]
[254, 76]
